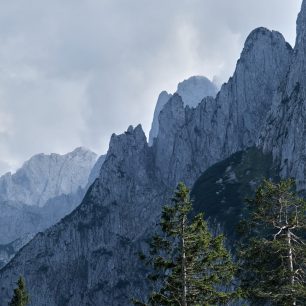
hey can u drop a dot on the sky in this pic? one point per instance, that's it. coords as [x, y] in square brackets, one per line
[72, 72]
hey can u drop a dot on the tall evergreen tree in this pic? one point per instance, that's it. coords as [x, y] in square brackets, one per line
[274, 253]
[20, 297]
[190, 266]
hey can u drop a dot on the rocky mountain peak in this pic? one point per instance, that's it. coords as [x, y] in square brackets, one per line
[285, 129]
[44, 176]
[128, 155]
[192, 91]
[119, 142]
[163, 98]
[195, 89]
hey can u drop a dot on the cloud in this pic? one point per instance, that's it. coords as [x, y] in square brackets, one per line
[73, 72]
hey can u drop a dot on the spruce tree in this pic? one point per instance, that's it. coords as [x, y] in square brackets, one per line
[20, 297]
[189, 265]
[273, 255]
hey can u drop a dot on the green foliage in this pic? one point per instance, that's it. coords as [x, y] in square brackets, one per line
[273, 253]
[190, 267]
[221, 190]
[20, 297]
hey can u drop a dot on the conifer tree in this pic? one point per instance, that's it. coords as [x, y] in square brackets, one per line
[20, 297]
[190, 266]
[274, 253]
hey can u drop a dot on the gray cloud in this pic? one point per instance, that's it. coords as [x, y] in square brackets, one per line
[73, 72]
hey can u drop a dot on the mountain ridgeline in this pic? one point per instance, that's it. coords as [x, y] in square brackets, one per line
[40, 193]
[89, 257]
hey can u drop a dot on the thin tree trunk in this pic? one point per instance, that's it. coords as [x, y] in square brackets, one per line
[184, 268]
[290, 261]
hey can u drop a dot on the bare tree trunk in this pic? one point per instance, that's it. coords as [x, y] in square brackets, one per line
[290, 261]
[184, 268]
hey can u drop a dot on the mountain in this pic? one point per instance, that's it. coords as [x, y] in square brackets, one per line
[90, 256]
[46, 176]
[195, 89]
[192, 139]
[26, 210]
[285, 131]
[163, 98]
[192, 92]
[95, 171]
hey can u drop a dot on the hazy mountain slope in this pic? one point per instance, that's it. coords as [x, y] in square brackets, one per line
[46, 176]
[19, 220]
[285, 131]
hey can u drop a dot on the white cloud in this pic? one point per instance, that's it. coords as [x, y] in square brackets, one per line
[72, 72]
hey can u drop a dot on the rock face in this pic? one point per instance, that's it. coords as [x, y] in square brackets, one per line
[95, 171]
[285, 131]
[88, 258]
[99, 238]
[46, 176]
[192, 139]
[192, 92]
[163, 98]
[8, 251]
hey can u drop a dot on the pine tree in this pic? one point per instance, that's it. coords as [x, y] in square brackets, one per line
[274, 252]
[190, 266]
[21, 297]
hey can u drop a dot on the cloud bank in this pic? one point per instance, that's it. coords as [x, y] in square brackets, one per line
[73, 72]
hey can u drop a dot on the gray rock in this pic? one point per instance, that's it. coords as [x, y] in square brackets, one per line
[46, 176]
[8, 251]
[285, 130]
[91, 251]
[161, 101]
[95, 171]
[192, 91]
[192, 139]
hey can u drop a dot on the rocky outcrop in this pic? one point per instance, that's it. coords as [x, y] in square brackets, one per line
[91, 251]
[89, 257]
[163, 98]
[285, 130]
[47, 176]
[192, 139]
[192, 92]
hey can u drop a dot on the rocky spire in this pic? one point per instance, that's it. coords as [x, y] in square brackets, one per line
[285, 130]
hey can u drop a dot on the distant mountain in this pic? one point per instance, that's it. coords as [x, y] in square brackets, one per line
[192, 92]
[284, 133]
[195, 89]
[46, 176]
[43, 191]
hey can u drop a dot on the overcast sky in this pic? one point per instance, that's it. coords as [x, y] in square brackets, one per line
[73, 72]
